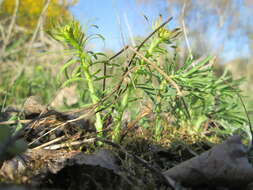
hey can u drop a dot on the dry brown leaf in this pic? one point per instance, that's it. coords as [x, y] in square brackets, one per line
[224, 165]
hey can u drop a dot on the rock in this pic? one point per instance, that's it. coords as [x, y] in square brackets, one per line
[66, 95]
[33, 106]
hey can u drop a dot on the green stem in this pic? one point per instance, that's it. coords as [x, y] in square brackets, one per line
[152, 46]
[93, 96]
[123, 106]
[158, 127]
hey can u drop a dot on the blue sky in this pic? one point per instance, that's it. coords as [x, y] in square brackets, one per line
[110, 16]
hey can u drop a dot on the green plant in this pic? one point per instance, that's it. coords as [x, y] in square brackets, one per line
[191, 93]
[205, 97]
[153, 49]
[73, 36]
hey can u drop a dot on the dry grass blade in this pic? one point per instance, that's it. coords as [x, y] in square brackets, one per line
[185, 32]
[15, 122]
[75, 143]
[49, 143]
[132, 124]
[90, 113]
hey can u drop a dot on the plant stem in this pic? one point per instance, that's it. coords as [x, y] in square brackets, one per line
[122, 108]
[93, 96]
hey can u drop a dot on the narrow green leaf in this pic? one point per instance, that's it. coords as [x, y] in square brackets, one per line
[73, 80]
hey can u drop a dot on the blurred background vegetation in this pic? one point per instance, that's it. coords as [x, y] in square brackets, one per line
[25, 68]
[29, 12]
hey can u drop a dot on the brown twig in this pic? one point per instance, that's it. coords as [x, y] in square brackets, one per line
[148, 37]
[134, 55]
[154, 66]
[167, 78]
[132, 124]
[111, 58]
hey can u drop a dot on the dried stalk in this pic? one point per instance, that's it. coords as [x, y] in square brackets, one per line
[10, 29]
[63, 145]
[154, 66]
[185, 33]
[40, 21]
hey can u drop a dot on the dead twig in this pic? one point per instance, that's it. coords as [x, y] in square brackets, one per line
[111, 58]
[134, 55]
[185, 32]
[132, 124]
[154, 66]
[167, 78]
[148, 37]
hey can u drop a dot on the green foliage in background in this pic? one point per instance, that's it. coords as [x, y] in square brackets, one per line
[38, 80]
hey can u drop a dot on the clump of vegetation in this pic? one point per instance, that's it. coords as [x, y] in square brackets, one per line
[191, 93]
[142, 98]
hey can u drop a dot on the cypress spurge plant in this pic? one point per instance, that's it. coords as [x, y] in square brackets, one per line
[153, 49]
[203, 96]
[191, 93]
[75, 38]
[149, 80]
